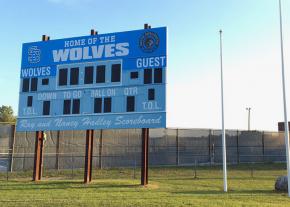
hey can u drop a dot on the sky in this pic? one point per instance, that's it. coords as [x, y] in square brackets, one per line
[251, 51]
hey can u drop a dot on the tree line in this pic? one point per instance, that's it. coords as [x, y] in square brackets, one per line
[7, 114]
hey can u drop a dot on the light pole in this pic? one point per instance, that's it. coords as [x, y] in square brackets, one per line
[249, 118]
[284, 99]
[223, 124]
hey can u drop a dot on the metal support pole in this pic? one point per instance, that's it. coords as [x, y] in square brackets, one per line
[38, 156]
[177, 148]
[144, 156]
[249, 117]
[94, 32]
[284, 100]
[24, 155]
[223, 125]
[145, 142]
[89, 155]
[101, 149]
[57, 150]
[146, 26]
[263, 145]
[209, 147]
[238, 148]
[11, 148]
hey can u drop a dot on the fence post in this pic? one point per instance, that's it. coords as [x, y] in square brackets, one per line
[100, 149]
[209, 146]
[135, 169]
[238, 150]
[57, 150]
[24, 155]
[72, 165]
[195, 166]
[263, 145]
[177, 148]
[11, 148]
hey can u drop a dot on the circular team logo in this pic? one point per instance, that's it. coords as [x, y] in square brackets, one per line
[149, 42]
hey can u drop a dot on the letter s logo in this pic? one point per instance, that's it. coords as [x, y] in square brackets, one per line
[34, 54]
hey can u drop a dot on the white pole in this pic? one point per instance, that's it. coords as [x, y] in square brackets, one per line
[249, 118]
[284, 100]
[223, 125]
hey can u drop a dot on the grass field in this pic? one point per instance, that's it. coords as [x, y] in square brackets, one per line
[168, 186]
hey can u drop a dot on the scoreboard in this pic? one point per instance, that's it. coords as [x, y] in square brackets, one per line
[102, 81]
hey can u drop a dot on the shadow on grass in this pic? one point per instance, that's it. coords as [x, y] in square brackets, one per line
[249, 178]
[48, 185]
[221, 192]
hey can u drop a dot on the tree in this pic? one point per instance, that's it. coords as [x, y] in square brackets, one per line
[7, 114]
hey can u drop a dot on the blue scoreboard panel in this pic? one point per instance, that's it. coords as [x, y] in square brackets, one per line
[104, 81]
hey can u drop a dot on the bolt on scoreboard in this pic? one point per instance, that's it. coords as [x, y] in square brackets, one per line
[101, 81]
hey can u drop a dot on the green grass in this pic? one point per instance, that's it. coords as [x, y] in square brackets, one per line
[168, 186]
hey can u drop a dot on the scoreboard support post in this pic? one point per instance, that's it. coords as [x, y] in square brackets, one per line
[89, 155]
[39, 143]
[145, 142]
[38, 156]
[89, 146]
[144, 156]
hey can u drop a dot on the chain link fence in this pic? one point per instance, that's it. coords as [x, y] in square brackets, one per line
[64, 151]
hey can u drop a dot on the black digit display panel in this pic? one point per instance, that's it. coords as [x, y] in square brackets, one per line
[116, 73]
[33, 86]
[66, 106]
[62, 81]
[74, 76]
[130, 103]
[46, 108]
[147, 76]
[98, 105]
[107, 105]
[25, 85]
[89, 75]
[101, 74]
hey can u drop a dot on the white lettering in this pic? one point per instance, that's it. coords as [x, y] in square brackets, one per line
[35, 72]
[88, 122]
[92, 41]
[103, 92]
[76, 53]
[151, 105]
[61, 123]
[77, 94]
[120, 120]
[122, 49]
[86, 54]
[73, 43]
[110, 50]
[60, 55]
[27, 124]
[29, 111]
[91, 52]
[130, 91]
[151, 62]
[46, 96]
[97, 51]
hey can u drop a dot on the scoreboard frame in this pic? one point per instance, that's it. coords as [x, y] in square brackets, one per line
[140, 59]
